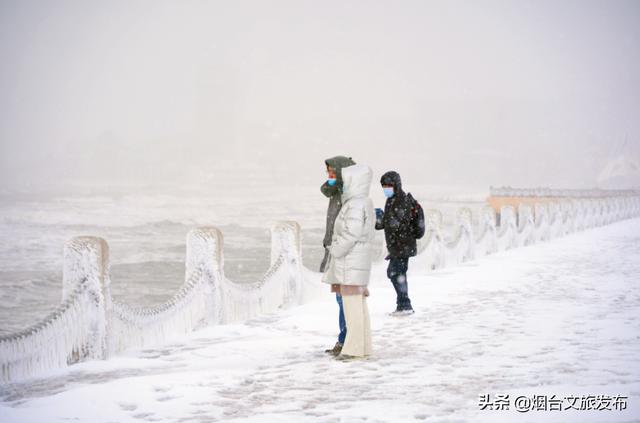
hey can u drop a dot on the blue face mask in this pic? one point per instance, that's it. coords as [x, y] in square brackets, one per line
[388, 192]
[331, 181]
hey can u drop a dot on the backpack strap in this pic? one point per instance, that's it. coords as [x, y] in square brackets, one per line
[415, 206]
[417, 217]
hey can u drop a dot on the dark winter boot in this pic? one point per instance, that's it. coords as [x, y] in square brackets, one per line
[335, 350]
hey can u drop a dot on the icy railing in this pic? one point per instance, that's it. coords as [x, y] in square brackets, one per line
[90, 324]
[563, 193]
[76, 329]
[531, 224]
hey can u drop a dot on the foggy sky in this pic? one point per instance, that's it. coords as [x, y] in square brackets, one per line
[523, 93]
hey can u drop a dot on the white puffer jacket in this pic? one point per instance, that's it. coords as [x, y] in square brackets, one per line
[354, 231]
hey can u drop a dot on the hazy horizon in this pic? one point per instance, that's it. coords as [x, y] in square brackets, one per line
[521, 93]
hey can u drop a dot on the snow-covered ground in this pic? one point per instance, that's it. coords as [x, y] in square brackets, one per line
[558, 318]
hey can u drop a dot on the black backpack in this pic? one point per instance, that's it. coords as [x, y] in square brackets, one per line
[417, 218]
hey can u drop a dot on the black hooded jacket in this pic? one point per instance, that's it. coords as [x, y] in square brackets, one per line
[396, 222]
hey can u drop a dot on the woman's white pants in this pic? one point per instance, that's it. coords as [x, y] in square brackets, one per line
[356, 315]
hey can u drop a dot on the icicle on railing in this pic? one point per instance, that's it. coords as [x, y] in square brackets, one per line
[188, 309]
[541, 222]
[282, 284]
[208, 297]
[76, 329]
[195, 304]
[89, 324]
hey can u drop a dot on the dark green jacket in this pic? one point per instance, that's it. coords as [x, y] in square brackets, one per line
[334, 193]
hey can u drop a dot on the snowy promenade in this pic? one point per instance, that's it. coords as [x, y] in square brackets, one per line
[557, 318]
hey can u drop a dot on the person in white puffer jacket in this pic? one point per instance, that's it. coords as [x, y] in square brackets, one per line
[349, 267]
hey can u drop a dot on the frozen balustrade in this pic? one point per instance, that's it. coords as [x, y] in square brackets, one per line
[530, 224]
[90, 324]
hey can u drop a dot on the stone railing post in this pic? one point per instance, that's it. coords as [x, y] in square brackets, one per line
[568, 213]
[205, 253]
[508, 226]
[488, 224]
[526, 227]
[464, 219]
[285, 240]
[286, 243]
[433, 254]
[86, 264]
[556, 220]
[541, 218]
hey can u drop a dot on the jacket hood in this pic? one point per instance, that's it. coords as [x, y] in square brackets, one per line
[338, 163]
[392, 178]
[356, 181]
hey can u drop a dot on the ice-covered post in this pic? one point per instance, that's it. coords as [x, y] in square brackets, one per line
[286, 245]
[464, 219]
[507, 236]
[582, 212]
[606, 205]
[627, 205]
[526, 224]
[600, 210]
[85, 257]
[204, 251]
[568, 212]
[205, 254]
[556, 220]
[434, 251]
[591, 207]
[541, 218]
[488, 230]
[433, 255]
[611, 210]
[86, 265]
[285, 240]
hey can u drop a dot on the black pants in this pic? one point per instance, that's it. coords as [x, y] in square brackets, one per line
[397, 272]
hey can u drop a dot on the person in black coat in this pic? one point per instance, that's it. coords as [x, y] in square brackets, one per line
[401, 231]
